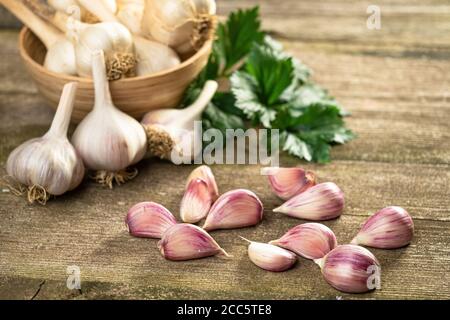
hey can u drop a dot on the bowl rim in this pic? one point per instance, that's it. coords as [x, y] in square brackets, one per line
[23, 52]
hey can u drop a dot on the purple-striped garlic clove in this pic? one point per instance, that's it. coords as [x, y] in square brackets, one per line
[205, 173]
[309, 240]
[270, 257]
[389, 228]
[196, 201]
[322, 202]
[288, 182]
[350, 268]
[234, 209]
[186, 242]
[149, 220]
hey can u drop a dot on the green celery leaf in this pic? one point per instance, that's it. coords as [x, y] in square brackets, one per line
[272, 74]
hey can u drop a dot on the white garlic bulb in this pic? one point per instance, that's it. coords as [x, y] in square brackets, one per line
[151, 57]
[130, 13]
[111, 37]
[172, 134]
[49, 165]
[60, 57]
[108, 140]
[73, 8]
[184, 25]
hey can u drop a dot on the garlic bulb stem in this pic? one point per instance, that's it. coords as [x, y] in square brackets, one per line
[46, 33]
[61, 120]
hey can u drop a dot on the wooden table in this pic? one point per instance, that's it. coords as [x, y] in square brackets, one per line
[395, 81]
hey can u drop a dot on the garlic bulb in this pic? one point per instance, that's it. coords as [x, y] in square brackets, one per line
[149, 220]
[322, 202]
[107, 139]
[184, 25]
[171, 132]
[60, 57]
[270, 257]
[186, 242]
[309, 240]
[49, 165]
[389, 228]
[130, 13]
[111, 37]
[151, 57]
[73, 8]
[350, 268]
[288, 182]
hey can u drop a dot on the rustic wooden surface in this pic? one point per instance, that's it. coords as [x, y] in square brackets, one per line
[395, 81]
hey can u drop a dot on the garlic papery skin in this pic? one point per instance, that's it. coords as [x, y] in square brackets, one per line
[171, 132]
[149, 220]
[49, 165]
[205, 173]
[288, 182]
[108, 140]
[389, 228]
[186, 242]
[350, 268]
[270, 257]
[309, 240]
[196, 201]
[60, 57]
[322, 202]
[184, 25]
[235, 209]
[151, 57]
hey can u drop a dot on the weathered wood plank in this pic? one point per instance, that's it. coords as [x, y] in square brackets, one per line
[41, 243]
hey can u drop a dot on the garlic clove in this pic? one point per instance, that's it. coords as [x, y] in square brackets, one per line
[309, 240]
[205, 173]
[389, 228]
[49, 165]
[350, 268]
[186, 242]
[234, 209]
[149, 220]
[196, 201]
[288, 182]
[270, 257]
[322, 202]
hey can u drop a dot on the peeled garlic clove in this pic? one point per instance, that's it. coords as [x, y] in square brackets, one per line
[149, 220]
[389, 228]
[205, 173]
[309, 240]
[350, 268]
[234, 209]
[321, 202]
[186, 242]
[270, 257]
[196, 201]
[49, 165]
[288, 182]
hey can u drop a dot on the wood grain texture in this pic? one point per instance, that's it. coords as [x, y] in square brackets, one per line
[395, 83]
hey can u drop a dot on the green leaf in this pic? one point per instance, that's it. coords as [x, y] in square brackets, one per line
[272, 73]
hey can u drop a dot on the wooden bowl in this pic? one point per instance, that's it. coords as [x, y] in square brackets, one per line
[135, 96]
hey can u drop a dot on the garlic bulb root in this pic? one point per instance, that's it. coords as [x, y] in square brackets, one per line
[120, 177]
